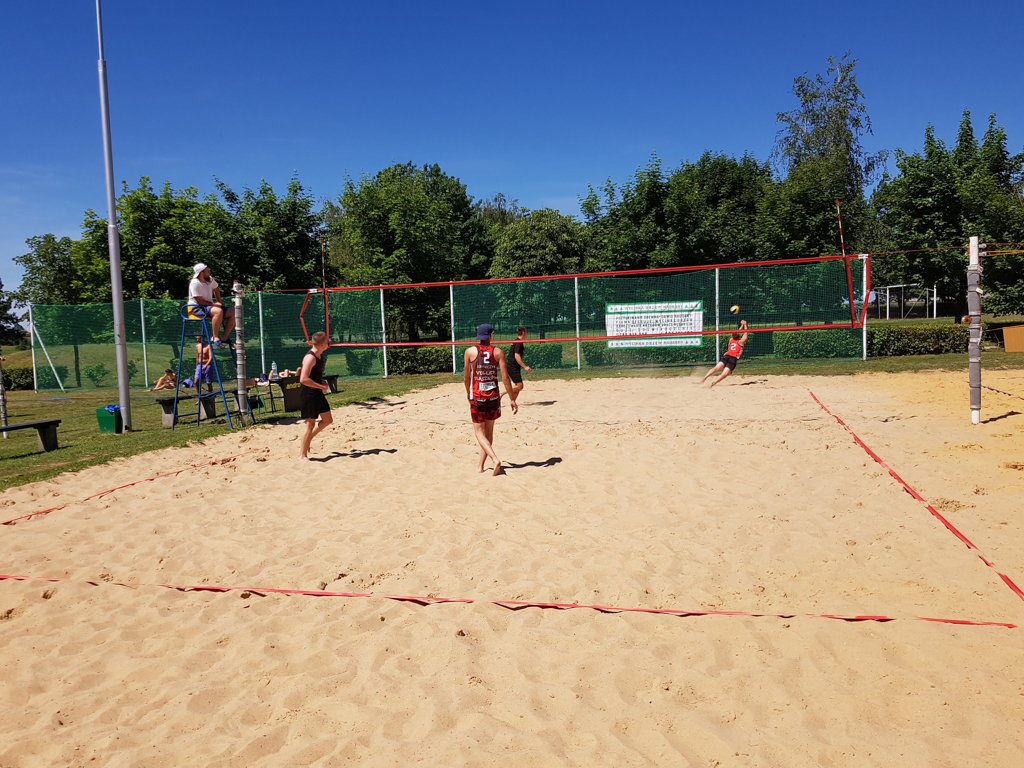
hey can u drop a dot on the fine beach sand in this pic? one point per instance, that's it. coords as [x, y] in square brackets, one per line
[636, 493]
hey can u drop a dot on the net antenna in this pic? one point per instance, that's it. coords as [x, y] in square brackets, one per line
[842, 243]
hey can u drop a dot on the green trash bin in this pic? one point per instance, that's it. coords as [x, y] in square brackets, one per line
[110, 422]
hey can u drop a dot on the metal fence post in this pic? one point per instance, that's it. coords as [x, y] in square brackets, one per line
[145, 358]
[576, 288]
[451, 304]
[718, 339]
[263, 346]
[383, 333]
[864, 309]
[32, 341]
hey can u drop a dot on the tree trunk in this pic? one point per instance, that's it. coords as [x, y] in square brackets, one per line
[78, 369]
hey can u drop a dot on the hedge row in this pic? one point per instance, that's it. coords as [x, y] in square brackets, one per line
[20, 377]
[898, 340]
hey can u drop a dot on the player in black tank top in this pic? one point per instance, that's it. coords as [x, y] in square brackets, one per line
[515, 355]
[313, 399]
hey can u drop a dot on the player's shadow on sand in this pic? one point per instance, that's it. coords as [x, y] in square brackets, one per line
[549, 463]
[354, 454]
[1000, 418]
[542, 402]
[379, 402]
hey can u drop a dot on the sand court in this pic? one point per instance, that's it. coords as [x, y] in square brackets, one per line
[636, 493]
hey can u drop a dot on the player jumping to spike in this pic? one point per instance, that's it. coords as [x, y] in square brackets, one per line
[482, 365]
[731, 356]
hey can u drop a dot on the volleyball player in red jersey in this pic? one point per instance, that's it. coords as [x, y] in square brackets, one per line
[731, 356]
[483, 363]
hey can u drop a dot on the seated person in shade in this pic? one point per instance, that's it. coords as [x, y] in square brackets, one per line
[168, 381]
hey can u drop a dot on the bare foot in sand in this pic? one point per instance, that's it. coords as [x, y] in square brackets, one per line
[497, 470]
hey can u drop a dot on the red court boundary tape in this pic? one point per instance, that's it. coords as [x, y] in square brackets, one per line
[514, 605]
[970, 545]
[129, 485]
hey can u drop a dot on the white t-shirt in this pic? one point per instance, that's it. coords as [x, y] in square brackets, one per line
[198, 288]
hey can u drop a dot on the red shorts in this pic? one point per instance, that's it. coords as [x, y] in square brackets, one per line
[485, 410]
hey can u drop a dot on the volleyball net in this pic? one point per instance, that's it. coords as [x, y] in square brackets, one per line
[796, 309]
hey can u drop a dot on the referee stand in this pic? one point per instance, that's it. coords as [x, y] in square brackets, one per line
[193, 313]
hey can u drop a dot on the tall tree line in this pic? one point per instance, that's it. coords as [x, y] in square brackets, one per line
[412, 223]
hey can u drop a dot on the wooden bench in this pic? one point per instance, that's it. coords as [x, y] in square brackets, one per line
[47, 431]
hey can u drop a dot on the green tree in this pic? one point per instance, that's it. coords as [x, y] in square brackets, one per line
[712, 207]
[11, 331]
[542, 242]
[628, 224]
[819, 150]
[827, 128]
[271, 241]
[409, 224]
[939, 198]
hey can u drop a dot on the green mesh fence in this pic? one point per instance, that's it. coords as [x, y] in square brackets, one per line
[675, 313]
[76, 343]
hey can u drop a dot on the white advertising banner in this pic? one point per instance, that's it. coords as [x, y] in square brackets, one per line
[645, 318]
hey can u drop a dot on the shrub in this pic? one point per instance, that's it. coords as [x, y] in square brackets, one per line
[897, 340]
[360, 361]
[94, 373]
[597, 353]
[407, 360]
[796, 345]
[19, 377]
[544, 356]
[45, 376]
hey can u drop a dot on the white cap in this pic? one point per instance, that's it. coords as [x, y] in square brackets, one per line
[197, 269]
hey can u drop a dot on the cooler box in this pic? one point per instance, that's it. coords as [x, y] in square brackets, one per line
[109, 422]
[1013, 338]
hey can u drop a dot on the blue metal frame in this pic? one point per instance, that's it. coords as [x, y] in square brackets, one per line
[187, 312]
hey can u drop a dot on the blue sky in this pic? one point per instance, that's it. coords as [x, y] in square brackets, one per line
[532, 99]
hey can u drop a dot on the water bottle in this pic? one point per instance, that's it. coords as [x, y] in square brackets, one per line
[273, 369]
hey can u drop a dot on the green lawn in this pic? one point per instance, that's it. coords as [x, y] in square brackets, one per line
[82, 445]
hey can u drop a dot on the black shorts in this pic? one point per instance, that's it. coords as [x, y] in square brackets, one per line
[515, 374]
[314, 402]
[729, 362]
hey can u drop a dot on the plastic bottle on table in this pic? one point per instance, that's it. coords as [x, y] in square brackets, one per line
[273, 369]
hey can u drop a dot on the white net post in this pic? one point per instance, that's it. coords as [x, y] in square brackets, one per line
[974, 345]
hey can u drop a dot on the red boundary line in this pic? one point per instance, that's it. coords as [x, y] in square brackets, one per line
[129, 485]
[515, 605]
[969, 544]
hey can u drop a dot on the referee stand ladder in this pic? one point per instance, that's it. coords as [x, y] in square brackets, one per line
[192, 313]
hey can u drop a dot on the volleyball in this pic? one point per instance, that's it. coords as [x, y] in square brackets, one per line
[735, 309]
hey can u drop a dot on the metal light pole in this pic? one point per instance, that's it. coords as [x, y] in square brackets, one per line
[114, 240]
